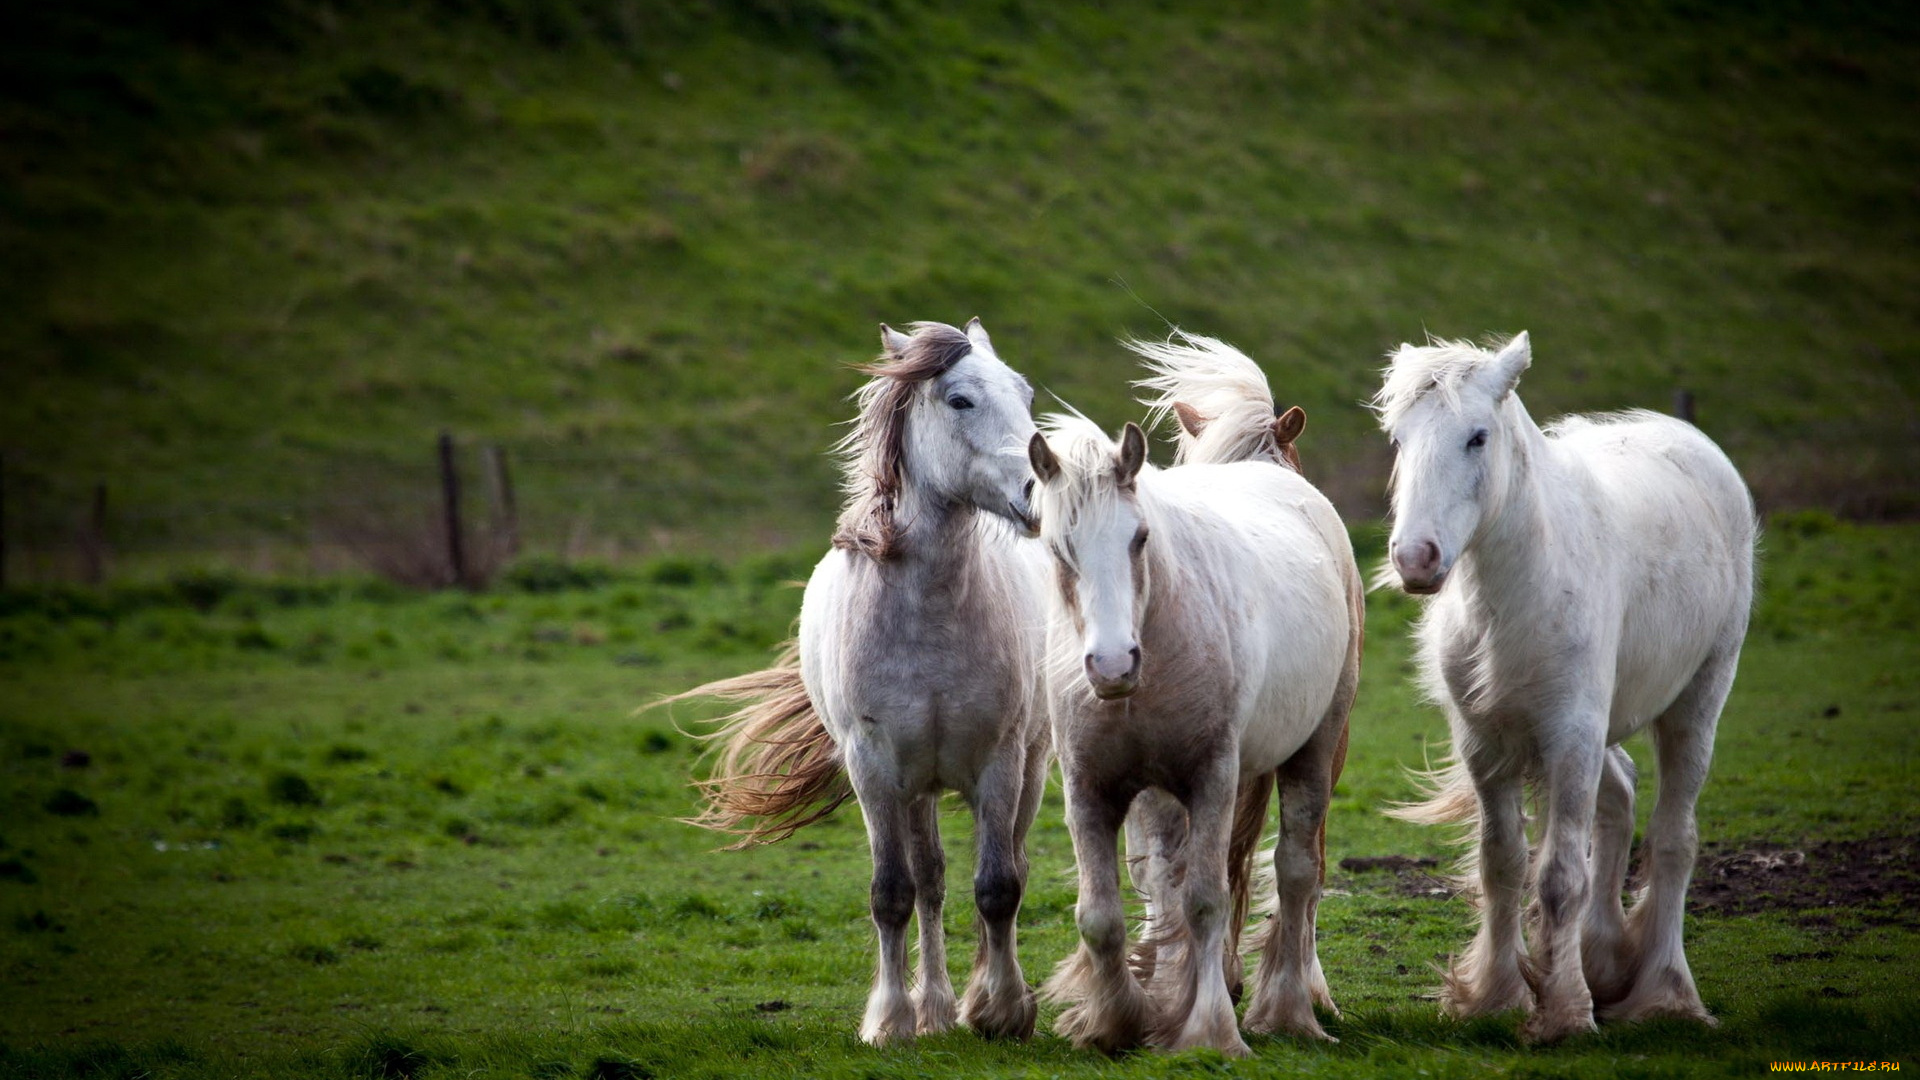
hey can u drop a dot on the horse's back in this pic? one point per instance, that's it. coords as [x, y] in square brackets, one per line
[1679, 524]
[1285, 592]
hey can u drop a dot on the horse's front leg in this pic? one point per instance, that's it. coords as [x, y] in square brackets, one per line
[933, 1003]
[998, 1003]
[1488, 976]
[1108, 1009]
[1572, 784]
[890, 1012]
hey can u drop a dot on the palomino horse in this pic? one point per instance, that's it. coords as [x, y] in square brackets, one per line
[1588, 581]
[1205, 641]
[914, 673]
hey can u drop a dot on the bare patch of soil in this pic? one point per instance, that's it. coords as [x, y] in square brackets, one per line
[1412, 876]
[1876, 880]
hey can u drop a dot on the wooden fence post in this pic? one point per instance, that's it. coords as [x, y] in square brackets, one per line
[3, 521]
[93, 538]
[1683, 404]
[450, 502]
[506, 514]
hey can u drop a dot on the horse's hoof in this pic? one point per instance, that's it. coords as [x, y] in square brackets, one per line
[1544, 1028]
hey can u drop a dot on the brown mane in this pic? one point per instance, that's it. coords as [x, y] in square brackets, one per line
[873, 453]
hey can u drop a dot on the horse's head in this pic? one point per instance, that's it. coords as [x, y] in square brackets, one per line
[967, 426]
[942, 422]
[1091, 522]
[1447, 408]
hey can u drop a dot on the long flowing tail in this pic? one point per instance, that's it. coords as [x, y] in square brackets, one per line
[1221, 399]
[1446, 797]
[776, 770]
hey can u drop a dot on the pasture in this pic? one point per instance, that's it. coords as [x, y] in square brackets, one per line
[269, 829]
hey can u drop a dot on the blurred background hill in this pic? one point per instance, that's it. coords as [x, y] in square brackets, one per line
[254, 257]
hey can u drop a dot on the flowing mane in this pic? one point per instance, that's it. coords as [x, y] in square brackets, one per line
[873, 452]
[1416, 370]
[1220, 383]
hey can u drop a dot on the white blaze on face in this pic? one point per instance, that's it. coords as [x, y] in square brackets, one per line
[1451, 456]
[1110, 592]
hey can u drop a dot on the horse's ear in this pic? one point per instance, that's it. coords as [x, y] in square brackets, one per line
[1040, 455]
[1509, 363]
[1288, 425]
[893, 341]
[1133, 454]
[977, 334]
[1190, 418]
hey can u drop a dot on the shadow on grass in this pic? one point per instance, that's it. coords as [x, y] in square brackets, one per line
[1386, 1042]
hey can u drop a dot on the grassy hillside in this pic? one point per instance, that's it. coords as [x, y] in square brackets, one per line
[255, 255]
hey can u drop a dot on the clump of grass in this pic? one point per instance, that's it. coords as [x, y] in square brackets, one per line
[292, 789]
[66, 802]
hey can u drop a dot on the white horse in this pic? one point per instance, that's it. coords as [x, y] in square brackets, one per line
[1205, 641]
[914, 674]
[1589, 581]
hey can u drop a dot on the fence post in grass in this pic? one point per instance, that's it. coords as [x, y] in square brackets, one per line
[93, 538]
[1683, 404]
[506, 523]
[3, 521]
[450, 502]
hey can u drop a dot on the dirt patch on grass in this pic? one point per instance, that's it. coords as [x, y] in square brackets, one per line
[1876, 881]
[1871, 882]
[1412, 875]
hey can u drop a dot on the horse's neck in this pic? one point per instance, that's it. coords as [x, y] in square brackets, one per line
[934, 540]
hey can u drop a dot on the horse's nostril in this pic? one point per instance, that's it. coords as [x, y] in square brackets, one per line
[1135, 653]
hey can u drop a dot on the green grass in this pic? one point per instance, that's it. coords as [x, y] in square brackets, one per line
[255, 257]
[341, 831]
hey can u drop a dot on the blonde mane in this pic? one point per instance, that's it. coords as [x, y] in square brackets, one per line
[1222, 384]
[872, 454]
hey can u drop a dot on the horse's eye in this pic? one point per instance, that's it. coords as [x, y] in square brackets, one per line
[1479, 439]
[1139, 541]
[959, 401]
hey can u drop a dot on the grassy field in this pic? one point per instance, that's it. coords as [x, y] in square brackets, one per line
[252, 255]
[255, 829]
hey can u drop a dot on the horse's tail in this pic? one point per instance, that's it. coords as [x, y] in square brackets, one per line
[1221, 399]
[1446, 796]
[1243, 850]
[776, 770]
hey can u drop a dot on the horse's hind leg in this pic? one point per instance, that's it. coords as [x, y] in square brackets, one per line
[1156, 839]
[890, 1013]
[1289, 980]
[998, 1003]
[933, 1003]
[1603, 946]
[1662, 983]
